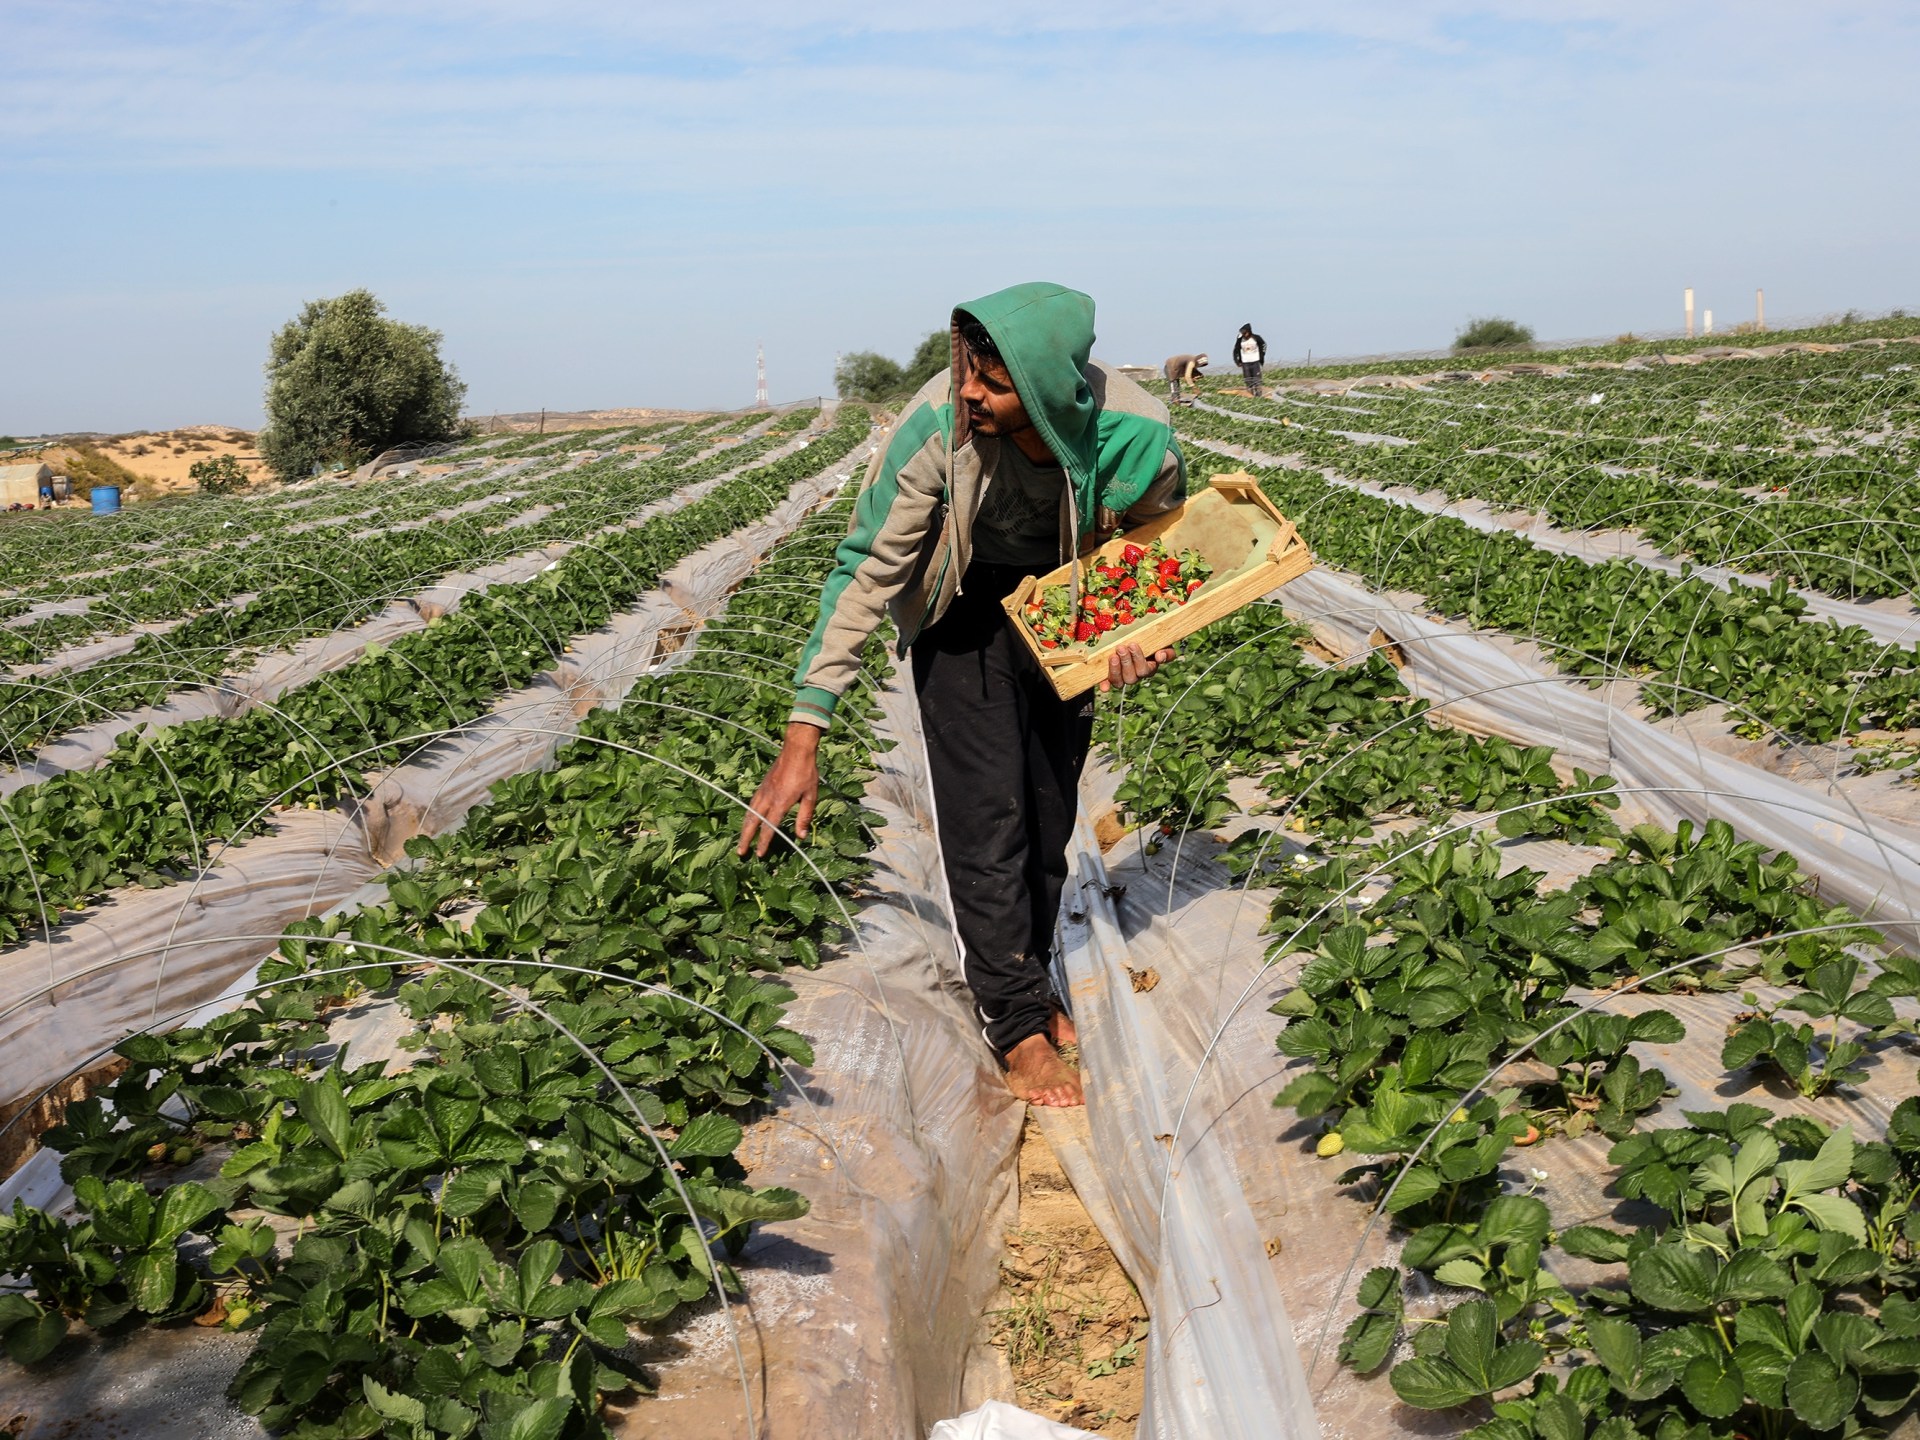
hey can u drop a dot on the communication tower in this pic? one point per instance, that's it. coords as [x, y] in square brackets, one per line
[760, 374]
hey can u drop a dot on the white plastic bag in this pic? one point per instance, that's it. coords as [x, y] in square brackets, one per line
[997, 1420]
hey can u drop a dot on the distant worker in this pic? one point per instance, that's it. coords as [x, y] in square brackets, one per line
[1250, 351]
[46, 494]
[1183, 370]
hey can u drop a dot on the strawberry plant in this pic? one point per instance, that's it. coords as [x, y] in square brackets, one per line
[163, 800]
[1815, 1063]
[479, 1229]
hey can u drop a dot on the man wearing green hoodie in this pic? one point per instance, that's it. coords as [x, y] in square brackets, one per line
[1015, 461]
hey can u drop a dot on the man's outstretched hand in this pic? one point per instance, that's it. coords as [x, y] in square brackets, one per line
[793, 780]
[1128, 666]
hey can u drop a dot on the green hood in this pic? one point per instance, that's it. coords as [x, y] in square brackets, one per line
[1045, 334]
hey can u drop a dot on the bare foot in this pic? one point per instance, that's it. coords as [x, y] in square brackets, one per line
[1037, 1074]
[1060, 1027]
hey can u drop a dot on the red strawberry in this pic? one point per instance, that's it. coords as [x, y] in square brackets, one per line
[1129, 583]
[1104, 622]
[1133, 555]
[1169, 569]
[1084, 631]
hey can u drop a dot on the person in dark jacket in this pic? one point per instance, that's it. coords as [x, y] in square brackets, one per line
[1250, 353]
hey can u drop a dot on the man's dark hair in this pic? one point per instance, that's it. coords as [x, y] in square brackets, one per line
[975, 337]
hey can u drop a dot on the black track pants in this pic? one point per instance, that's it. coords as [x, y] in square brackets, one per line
[1005, 755]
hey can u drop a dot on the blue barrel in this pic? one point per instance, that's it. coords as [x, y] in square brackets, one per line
[106, 499]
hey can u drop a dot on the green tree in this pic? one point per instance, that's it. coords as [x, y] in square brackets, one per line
[866, 375]
[344, 382]
[934, 356]
[221, 475]
[1493, 332]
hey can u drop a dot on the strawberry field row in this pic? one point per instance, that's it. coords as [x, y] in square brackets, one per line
[1687, 643]
[220, 556]
[1838, 523]
[312, 584]
[164, 801]
[478, 1231]
[1843, 332]
[1774, 1290]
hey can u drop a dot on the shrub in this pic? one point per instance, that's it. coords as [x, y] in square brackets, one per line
[934, 356]
[866, 375]
[344, 383]
[1493, 332]
[221, 475]
[869, 375]
[87, 467]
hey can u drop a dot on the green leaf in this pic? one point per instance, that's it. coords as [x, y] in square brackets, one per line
[709, 1134]
[1617, 1344]
[1713, 1385]
[1829, 1167]
[31, 1341]
[1835, 1213]
[389, 1405]
[182, 1207]
[539, 1420]
[1672, 1277]
[1514, 1220]
[1469, 1274]
[324, 1107]
[1820, 1392]
[1752, 1275]
[1416, 1185]
[535, 1204]
[151, 1278]
[1369, 1338]
[1558, 1417]
[1590, 1242]
[1430, 1384]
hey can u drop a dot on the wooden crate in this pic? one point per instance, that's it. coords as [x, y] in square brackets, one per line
[1253, 549]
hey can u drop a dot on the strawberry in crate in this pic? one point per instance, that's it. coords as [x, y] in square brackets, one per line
[1116, 592]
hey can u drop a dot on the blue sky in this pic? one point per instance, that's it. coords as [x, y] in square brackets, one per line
[607, 204]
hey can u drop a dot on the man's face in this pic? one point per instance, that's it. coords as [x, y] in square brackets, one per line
[993, 405]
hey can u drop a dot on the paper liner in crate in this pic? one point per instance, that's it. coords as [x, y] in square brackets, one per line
[1253, 549]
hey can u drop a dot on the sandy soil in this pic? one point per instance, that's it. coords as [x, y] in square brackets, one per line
[163, 456]
[1071, 1324]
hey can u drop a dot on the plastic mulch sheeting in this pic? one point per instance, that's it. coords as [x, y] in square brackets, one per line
[1181, 1200]
[143, 955]
[274, 673]
[861, 1318]
[1247, 1252]
[1865, 859]
[1891, 620]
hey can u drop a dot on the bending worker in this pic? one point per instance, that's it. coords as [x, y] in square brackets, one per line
[1006, 467]
[1183, 370]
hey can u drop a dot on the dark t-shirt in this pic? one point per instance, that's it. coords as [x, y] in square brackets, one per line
[1019, 519]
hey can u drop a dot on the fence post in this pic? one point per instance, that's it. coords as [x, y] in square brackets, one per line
[1706, 327]
[1689, 303]
[1759, 309]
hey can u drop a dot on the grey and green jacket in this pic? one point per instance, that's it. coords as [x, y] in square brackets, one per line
[911, 537]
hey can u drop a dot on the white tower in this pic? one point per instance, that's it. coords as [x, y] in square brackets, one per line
[760, 374]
